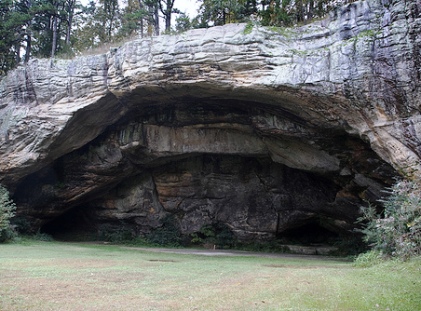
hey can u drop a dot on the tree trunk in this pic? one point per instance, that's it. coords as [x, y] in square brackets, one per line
[310, 14]
[156, 21]
[28, 48]
[71, 9]
[141, 7]
[54, 41]
[167, 12]
[168, 23]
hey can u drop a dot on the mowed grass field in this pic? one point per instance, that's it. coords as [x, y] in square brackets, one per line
[65, 276]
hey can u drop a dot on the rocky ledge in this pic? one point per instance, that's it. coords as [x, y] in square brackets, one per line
[269, 131]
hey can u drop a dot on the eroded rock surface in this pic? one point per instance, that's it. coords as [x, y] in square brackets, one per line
[262, 130]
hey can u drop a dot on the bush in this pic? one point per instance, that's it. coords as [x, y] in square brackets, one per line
[398, 231]
[167, 235]
[7, 211]
[114, 233]
[368, 259]
[217, 234]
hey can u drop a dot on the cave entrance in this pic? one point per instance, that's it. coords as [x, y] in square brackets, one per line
[74, 225]
[311, 233]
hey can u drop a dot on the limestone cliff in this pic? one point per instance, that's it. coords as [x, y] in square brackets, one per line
[261, 129]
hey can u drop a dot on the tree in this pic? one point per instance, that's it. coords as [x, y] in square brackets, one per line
[85, 28]
[183, 23]
[288, 12]
[134, 18]
[220, 12]
[13, 28]
[167, 9]
[107, 19]
[7, 211]
[70, 6]
[7, 38]
[397, 230]
[277, 13]
[153, 17]
[24, 9]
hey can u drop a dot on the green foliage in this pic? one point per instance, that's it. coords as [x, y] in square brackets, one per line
[41, 236]
[278, 13]
[21, 224]
[349, 246]
[398, 231]
[215, 234]
[11, 34]
[368, 259]
[7, 211]
[220, 12]
[249, 28]
[114, 234]
[167, 235]
[183, 23]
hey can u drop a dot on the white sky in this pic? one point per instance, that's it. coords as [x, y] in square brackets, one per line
[190, 7]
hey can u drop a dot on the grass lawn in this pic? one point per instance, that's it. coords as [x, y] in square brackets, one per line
[59, 276]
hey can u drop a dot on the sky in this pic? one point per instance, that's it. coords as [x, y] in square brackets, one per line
[190, 7]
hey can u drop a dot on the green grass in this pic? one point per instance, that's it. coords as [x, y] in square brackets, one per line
[60, 276]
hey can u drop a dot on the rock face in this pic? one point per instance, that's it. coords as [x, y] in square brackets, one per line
[263, 130]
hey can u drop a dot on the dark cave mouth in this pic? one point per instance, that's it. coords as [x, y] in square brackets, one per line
[309, 233]
[78, 225]
[75, 224]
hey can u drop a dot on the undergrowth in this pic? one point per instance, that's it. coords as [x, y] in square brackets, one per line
[396, 232]
[7, 212]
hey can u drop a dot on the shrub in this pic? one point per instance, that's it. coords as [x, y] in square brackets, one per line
[398, 231]
[41, 236]
[368, 259]
[217, 234]
[7, 211]
[114, 233]
[167, 235]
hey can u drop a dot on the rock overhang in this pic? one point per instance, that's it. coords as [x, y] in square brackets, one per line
[336, 100]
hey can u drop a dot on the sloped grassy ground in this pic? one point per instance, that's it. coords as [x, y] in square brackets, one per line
[63, 276]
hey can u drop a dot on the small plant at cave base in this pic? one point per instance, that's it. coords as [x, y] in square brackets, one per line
[396, 232]
[215, 235]
[368, 259]
[7, 212]
[114, 233]
[42, 236]
[167, 235]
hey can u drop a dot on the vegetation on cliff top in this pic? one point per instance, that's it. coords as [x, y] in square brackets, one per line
[46, 28]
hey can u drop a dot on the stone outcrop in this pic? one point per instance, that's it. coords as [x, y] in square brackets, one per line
[263, 130]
